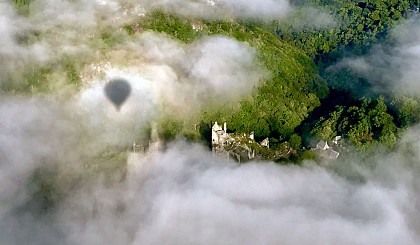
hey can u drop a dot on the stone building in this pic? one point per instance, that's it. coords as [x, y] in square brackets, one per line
[154, 145]
[325, 151]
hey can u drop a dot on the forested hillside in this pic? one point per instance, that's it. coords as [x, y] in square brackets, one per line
[304, 94]
[284, 105]
[280, 103]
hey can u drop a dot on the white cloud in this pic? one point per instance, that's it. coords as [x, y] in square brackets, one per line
[392, 68]
[221, 9]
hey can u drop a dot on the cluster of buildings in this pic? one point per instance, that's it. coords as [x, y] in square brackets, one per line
[239, 146]
[234, 146]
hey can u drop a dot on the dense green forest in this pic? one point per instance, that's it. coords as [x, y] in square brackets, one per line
[303, 100]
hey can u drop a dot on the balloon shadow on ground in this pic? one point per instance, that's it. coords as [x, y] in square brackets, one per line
[117, 90]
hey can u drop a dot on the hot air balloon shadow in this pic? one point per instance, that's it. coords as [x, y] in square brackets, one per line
[118, 90]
